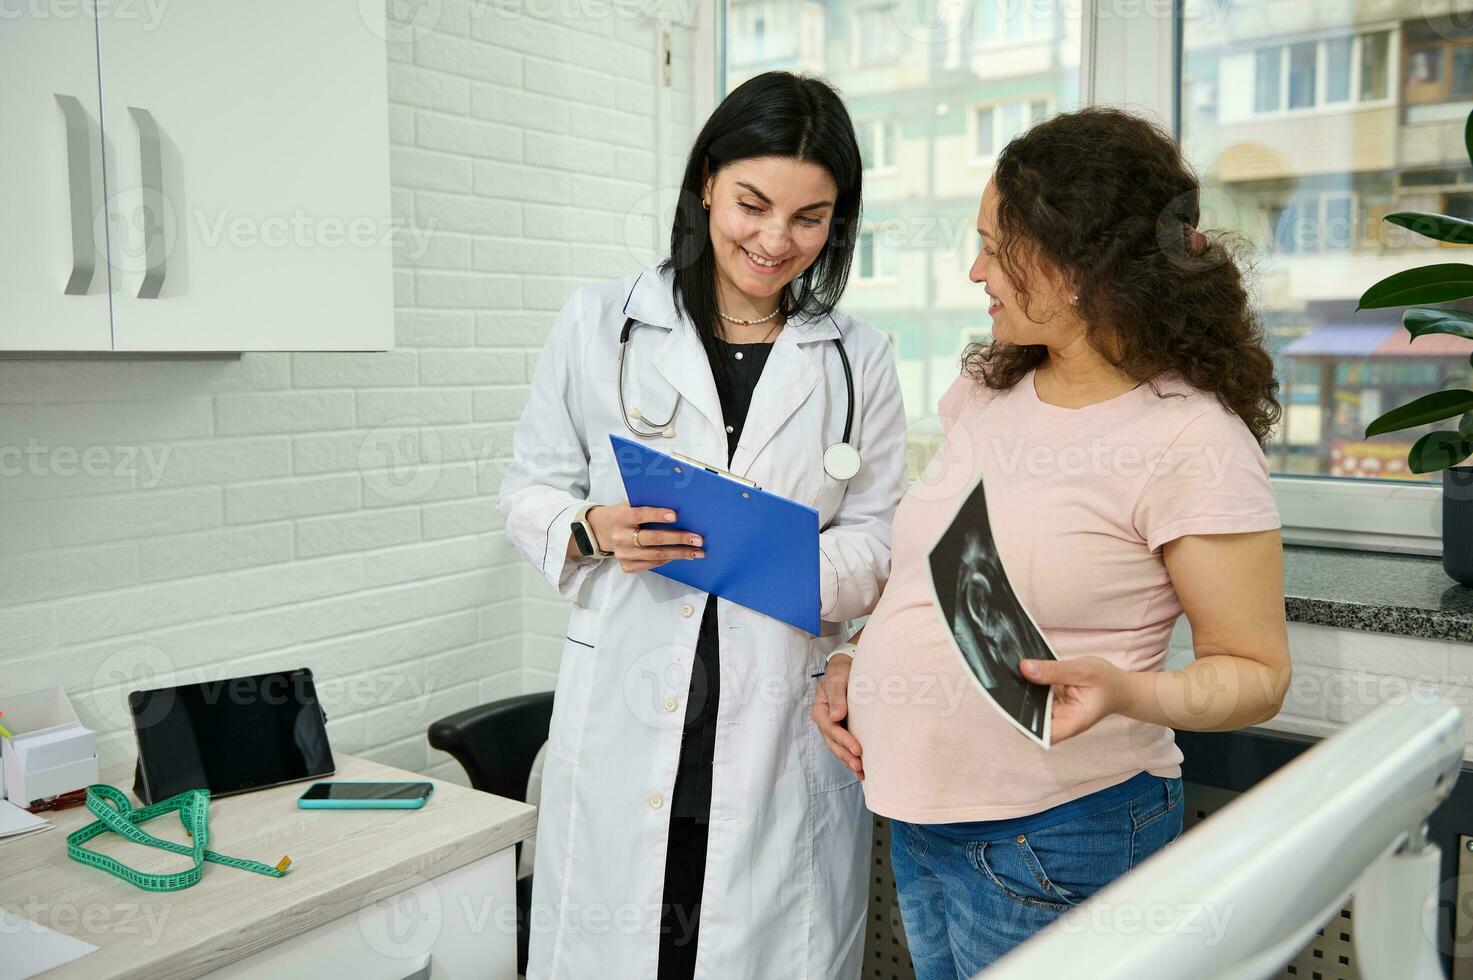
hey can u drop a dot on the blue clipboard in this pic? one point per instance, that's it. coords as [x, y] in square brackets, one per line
[761, 549]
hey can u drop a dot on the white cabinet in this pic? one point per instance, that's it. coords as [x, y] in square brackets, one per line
[461, 924]
[244, 202]
[53, 262]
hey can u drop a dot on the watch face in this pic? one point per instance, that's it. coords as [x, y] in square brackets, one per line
[580, 537]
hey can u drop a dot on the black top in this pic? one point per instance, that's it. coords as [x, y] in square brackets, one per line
[692, 794]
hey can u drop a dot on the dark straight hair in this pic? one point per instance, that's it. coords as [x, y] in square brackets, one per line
[776, 114]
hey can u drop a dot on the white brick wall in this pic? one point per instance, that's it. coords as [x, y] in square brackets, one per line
[240, 514]
[1340, 675]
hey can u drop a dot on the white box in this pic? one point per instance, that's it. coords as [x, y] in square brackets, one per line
[49, 751]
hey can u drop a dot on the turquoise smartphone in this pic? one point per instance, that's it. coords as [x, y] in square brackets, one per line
[365, 796]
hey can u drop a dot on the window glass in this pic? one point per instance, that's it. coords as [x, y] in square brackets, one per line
[1309, 124]
[936, 89]
[1338, 54]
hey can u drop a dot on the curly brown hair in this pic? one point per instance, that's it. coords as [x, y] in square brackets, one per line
[1104, 198]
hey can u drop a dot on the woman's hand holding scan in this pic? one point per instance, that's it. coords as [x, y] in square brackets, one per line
[1086, 689]
[831, 707]
[637, 549]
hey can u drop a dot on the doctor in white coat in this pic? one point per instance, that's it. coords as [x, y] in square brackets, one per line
[767, 225]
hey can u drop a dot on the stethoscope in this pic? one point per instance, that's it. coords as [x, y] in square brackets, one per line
[840, 460]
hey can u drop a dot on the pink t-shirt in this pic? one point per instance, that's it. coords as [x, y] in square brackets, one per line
[1080, 501]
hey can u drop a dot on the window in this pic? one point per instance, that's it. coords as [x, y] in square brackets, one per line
[1305, 74]
[1338, 217]
[1459, 205]
[995, 125]
[876, 144]
[1001, 22]
[1438, 73]
[874, 254]
[1313, 221]
[1301, 74]
[1374, 70]
[1282, 124]
[1266, 80]
[1312, 190]
[1424, 66]
[1462, 75]
[1338, 63]
[953, 97]
[877, 35]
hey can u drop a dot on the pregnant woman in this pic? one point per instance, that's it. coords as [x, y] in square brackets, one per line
[1115, 422]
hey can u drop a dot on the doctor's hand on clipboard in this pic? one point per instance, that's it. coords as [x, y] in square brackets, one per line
[617, 529]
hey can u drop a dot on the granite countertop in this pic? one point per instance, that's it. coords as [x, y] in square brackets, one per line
[1405, 595]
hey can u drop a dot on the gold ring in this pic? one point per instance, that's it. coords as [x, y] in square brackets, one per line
[636, 538]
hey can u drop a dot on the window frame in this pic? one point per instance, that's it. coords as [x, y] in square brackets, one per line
[885, 10]
[1379, 515]
[979, 160]
[878, 123]
[1002, 7]
[1321, 105]
[878, 249]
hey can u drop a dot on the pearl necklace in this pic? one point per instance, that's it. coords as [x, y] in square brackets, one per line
[746, 323]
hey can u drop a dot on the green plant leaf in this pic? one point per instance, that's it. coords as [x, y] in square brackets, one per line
[1420, 321]
[1455, 231]
[1420, 411]
[1438, 450]
[1465, 426]
[1430, 284]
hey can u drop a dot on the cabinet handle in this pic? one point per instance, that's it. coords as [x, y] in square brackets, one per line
[79, 184]
[151, 159]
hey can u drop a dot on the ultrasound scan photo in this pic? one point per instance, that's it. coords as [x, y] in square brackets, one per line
[992, 630]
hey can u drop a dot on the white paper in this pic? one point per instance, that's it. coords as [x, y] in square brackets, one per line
[27, 949]
[15, 822]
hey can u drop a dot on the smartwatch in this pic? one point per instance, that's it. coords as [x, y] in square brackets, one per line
[583, 535]
[845, 648]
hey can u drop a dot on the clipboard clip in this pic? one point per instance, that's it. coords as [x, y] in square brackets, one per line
[715, 469]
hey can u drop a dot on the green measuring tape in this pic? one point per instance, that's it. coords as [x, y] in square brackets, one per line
[115, 814]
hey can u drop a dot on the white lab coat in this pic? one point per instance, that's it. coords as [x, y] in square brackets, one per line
[786, 873]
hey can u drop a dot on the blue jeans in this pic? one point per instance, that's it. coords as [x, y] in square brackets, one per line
[966, 903]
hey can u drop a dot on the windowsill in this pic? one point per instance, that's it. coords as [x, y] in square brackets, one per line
[1401, 595]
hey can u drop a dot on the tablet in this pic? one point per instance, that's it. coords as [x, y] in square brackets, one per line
[229, 736]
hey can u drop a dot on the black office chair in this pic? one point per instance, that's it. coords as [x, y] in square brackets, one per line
[496, 745]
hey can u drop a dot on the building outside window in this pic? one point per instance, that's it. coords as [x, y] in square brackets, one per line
[1307, 139]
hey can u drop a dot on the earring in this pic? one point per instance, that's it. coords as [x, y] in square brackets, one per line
[706, 204]
[1074, 299]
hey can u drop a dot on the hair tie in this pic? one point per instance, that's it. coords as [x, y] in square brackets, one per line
[1196, 242]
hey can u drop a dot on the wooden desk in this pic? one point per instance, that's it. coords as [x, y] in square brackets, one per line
[371, 894]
